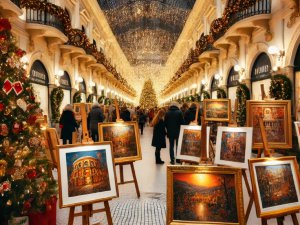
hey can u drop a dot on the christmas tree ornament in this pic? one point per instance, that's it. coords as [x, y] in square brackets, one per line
[3, 165]
[5, 143]
[3, 130]
[6, 186]
[7, 111]
[9, 203]
[24, 125]
[31, 174]
[34, 142]
[25, 152]
[22, 104]
[18, 163]
[17, 127]
[8, 86]
[31, 119]
[18, 173]
[1, 107]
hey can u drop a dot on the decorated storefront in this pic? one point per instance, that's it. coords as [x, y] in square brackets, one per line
[65, 84]
[232, 84]
[40, 82]
[214, 88]
[261, 76]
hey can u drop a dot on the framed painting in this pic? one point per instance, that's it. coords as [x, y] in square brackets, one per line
[204, 195]
[276, 117]
[217, 110]
[189, 143]
[125, 140]
[86, 174]
[275, 184]
[234, 146]
[297, 126]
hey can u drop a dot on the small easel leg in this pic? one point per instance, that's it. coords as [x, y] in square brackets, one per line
[135, 180]
[264, 221]
[85, 214]
[108, 214]
[121, 174]
[249, 208]
[280, 220]
[71, 215]
[246, 182]
[294, 218]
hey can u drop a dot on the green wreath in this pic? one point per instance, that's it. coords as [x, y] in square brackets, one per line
[206, 95]
[281, 87]
[107, 101]
[90, 98]
[189, 98]
[221, 93]
[197, 98]
[242, 95]
[101, 99]
[77, 97]
[56, 98]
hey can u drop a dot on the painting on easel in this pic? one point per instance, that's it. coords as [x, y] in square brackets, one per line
[189, 143]
[276, 116]
[204, 195]
[234, 146]
[217, 110]
[125, 140]
[86, 174]
[275, 183]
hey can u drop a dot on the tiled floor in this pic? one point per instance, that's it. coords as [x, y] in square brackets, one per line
[150, 208]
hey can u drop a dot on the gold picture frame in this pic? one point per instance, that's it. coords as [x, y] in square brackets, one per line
[196, 195]
[125, 140]
[217, 110]
[86, 174]
[275, 185]
[277, 119]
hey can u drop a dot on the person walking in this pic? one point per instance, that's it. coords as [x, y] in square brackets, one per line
[142, 118]
[173, 120]
[68, 124]
[159, 134]
[125, 114]
[95, 116]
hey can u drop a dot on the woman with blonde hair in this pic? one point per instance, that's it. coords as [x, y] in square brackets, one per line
[159, 134]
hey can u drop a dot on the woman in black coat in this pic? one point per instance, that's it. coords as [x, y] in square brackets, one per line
[159, 135]
[68, 124]
[95, 116]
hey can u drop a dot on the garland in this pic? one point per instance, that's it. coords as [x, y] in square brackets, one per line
[197, 98]
[281, 87]
[206, 95]
[242, 95]
[101, 99]
[90, 98]
[56, 98]
[77, 97]
[221, 93]
[190, 98]
[107, 101]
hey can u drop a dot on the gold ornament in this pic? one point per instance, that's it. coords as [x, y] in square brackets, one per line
[18, 162]
[7, 111]
[25, 152]
[3, 165]
[32, 162]
[9, 202]
[18, 173]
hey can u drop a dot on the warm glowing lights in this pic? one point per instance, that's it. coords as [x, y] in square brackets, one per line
[273, 50]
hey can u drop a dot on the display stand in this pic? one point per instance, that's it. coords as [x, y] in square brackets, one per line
[88, 211]
[233, 122]
[267, 153]
[134, 180]
[204, 160]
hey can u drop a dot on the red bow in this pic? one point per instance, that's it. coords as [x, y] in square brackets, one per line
[8, 86]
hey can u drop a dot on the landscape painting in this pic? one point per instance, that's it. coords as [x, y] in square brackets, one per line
[234, 145]
[87, 172]
[217, 110]
[209, 195]
[275, 184]
[189, 143]
[276, 116]
[124, 138]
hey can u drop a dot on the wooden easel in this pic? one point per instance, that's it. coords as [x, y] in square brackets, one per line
[134, 180]
[88, 211]
[267, 153]
[204, 159]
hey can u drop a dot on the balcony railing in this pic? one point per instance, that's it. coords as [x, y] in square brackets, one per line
[260, 7]
[42, 17]
[16, 2]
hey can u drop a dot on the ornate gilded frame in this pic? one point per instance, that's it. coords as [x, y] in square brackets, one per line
[211, 104]
[215, 170]
[124, 159]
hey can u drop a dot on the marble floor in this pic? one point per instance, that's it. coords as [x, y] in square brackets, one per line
[150, 208]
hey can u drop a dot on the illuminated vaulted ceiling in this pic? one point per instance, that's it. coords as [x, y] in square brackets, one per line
[147, 30]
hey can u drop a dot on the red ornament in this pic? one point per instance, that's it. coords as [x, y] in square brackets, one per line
[3, 129]
[8, 86]
[6, 186]
[31, 119]
[4, 25]
[19, 52]
[17, 127]
[27, 205]
[31, 174]
[1, 107]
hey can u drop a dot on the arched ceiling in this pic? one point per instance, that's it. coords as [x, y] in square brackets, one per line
[147, 30]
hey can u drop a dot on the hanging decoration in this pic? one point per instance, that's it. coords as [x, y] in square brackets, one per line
[221, 93]
[242, 95]
[281, 87]
[56, 97]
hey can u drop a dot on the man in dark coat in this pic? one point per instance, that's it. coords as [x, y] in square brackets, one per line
[173, 120]
[68, 124]
[125, 114]
[189, 115]
[95, 116]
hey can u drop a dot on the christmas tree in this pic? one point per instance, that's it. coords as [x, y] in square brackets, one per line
[26, 184]
[148, 98]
